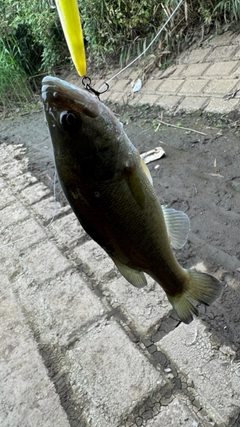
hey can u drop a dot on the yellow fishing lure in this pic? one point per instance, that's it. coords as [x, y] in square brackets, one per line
[71, 24]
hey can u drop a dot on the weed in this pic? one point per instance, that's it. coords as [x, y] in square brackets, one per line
[14, 85]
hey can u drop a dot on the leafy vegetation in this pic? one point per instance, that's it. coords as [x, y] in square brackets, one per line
[32, 42]
[14, 85]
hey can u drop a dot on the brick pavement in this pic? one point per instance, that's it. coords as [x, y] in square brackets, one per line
[79, 347]
[199, 79]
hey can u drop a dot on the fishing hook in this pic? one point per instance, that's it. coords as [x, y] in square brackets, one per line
[86, 81]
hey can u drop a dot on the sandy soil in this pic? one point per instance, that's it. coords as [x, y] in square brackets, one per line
[199, 175]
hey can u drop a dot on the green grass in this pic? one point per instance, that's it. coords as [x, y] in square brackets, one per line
[15, 89]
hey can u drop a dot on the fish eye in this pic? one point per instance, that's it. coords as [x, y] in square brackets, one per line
[70, 121]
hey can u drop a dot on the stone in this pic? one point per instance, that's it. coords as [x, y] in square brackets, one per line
[143, 307]
[7, 217]
[23, 235]
[149, 99]
[27, 396]
[170, 86]
[152, 86]
[44, 261]
[192, 86]
[222, 106]
[218, 388]
[176, 414]
[60, 310]
[108, 370]
[221, 69]
[169, 102]
[195, 70]
[67, 231]
[197, 55]
[220, 87]
[98, 264]
[193, 103]
[222, 53]
[35, 192]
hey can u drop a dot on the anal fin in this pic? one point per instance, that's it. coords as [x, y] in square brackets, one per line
[136, 278]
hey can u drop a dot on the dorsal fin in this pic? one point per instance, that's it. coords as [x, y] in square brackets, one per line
[178, 226]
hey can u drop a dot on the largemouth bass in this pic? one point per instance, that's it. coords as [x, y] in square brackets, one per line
[110, 190]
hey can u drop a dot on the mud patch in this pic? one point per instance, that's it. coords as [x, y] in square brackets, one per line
[199, 175]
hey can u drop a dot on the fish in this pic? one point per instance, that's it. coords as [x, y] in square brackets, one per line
[110, 190]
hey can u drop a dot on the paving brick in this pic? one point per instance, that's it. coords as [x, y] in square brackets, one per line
[135, 98]
[27, 397]
[22, 181]
[221, 69]
[8, 154]
[235, 39]
[192, 349]
[220, 87]
[24, 234]
[35, 192]
[118, 97]
[236, 72]
[61, 310]
[94, 261]
[44, 261]
[12, 169]
[169, 101]
[224, 39]
[157, 74]
[6, 196]
[10, 263]
[13, 213]
[149, 99]
[67, 231]
[108, 370]
[197, 55]
[145, 308]
[120, 85]
[192, 86]
[45, 209]
[222, 53]
[195, 70]
[217, 105]
[5, 155]
[193, 103]
[236, 54]
[173, 70]
[176, 414]
[151, 86]
[170, 86]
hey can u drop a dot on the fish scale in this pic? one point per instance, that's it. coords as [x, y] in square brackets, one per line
[110, 191]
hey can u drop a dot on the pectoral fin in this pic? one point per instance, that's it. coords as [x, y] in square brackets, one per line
[136, 278]
[178, 226]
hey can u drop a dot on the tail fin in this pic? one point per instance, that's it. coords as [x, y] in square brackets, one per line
[201, 287]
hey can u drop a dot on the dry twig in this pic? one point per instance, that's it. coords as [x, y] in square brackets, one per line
[180, 127]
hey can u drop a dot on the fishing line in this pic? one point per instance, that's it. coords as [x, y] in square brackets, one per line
[148, 47]
[50, 222]
[98, 93]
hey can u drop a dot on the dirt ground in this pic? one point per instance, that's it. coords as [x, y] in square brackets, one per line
[200, 175]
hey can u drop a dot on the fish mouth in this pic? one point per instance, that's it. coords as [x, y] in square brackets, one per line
[59, 94]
